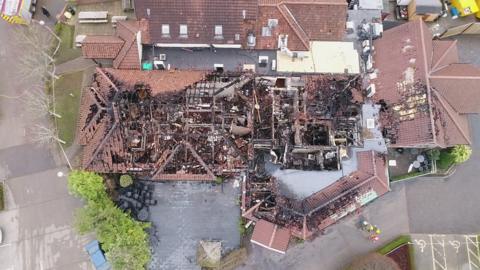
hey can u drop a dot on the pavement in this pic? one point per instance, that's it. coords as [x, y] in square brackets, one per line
[187, 213]
[37, 223]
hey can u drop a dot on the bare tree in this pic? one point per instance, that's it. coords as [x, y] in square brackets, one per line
[374, 261]
[36, 59]
[39, 103]
[45, 135]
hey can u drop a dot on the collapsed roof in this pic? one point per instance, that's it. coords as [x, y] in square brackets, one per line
[306, 217]
[424, 91]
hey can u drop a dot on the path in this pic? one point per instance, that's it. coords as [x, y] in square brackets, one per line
[38, 220]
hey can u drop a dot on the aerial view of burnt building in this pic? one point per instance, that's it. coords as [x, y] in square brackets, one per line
[197, 126]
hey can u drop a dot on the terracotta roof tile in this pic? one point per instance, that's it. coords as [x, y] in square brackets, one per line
[201, 16]
[302, 21]
[101, 47]
[462, 94]
[444, 53]
[159, 80]
[457, 71]
[451, 127]
[271, 236]
[408, 49]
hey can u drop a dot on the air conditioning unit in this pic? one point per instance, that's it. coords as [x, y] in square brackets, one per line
[162, 57]
[159, 65]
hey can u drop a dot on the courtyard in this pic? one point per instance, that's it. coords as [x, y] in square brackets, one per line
[187, 213]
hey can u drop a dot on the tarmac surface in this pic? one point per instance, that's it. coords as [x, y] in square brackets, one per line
[37, 223]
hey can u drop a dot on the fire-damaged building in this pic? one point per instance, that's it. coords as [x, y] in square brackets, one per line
[425, 93]
[197, 126]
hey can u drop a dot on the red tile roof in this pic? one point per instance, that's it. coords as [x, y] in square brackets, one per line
[122, 47]
[444, 53]
[159, 81]
[302, 21]
[201, 16]
[407, 60]
[101, 47]
[271, 236]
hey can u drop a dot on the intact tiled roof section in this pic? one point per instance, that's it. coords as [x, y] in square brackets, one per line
[459, 85]
[200, 16]
[159, 80]
[101, 47]
[263, 42]
[321, 20]
[444, 53]
[457, 71]
[302, 21]
[462, 94]
[451, 127]
[271, 236]
[128, 57]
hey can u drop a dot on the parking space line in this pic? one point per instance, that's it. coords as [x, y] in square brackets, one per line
[473, 253]
[439, 257]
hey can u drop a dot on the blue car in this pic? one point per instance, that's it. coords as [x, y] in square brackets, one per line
[96, 256]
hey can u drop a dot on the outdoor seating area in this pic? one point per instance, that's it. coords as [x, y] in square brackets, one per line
[99, 18]
[405, 162]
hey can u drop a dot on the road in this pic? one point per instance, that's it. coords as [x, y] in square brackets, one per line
[38, 220]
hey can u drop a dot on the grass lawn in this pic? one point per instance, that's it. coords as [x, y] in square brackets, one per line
[399, 241]
[445, 161]
[67, 51]
[405, 176]
[67, 105]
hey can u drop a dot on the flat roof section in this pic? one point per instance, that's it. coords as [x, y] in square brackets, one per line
[323, 57]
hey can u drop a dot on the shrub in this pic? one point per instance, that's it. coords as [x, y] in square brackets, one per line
[241, 227]
[461, 153]
[218, 180]
[126, 180]
[123, 239]
[433, 154]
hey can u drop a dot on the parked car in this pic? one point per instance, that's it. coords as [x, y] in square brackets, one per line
[96, 256]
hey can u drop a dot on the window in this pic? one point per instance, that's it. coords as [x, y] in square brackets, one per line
[218, 31]
[165, 30]
[266, 32]
[237, 37]
[183, 30]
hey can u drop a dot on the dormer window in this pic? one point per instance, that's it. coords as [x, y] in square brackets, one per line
[183, 31]
[218, 32]
[166, 30]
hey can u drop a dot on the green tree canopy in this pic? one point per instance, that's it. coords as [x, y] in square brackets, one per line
[461, 153]
[126, 180]
[123, 239]
[87, 185]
